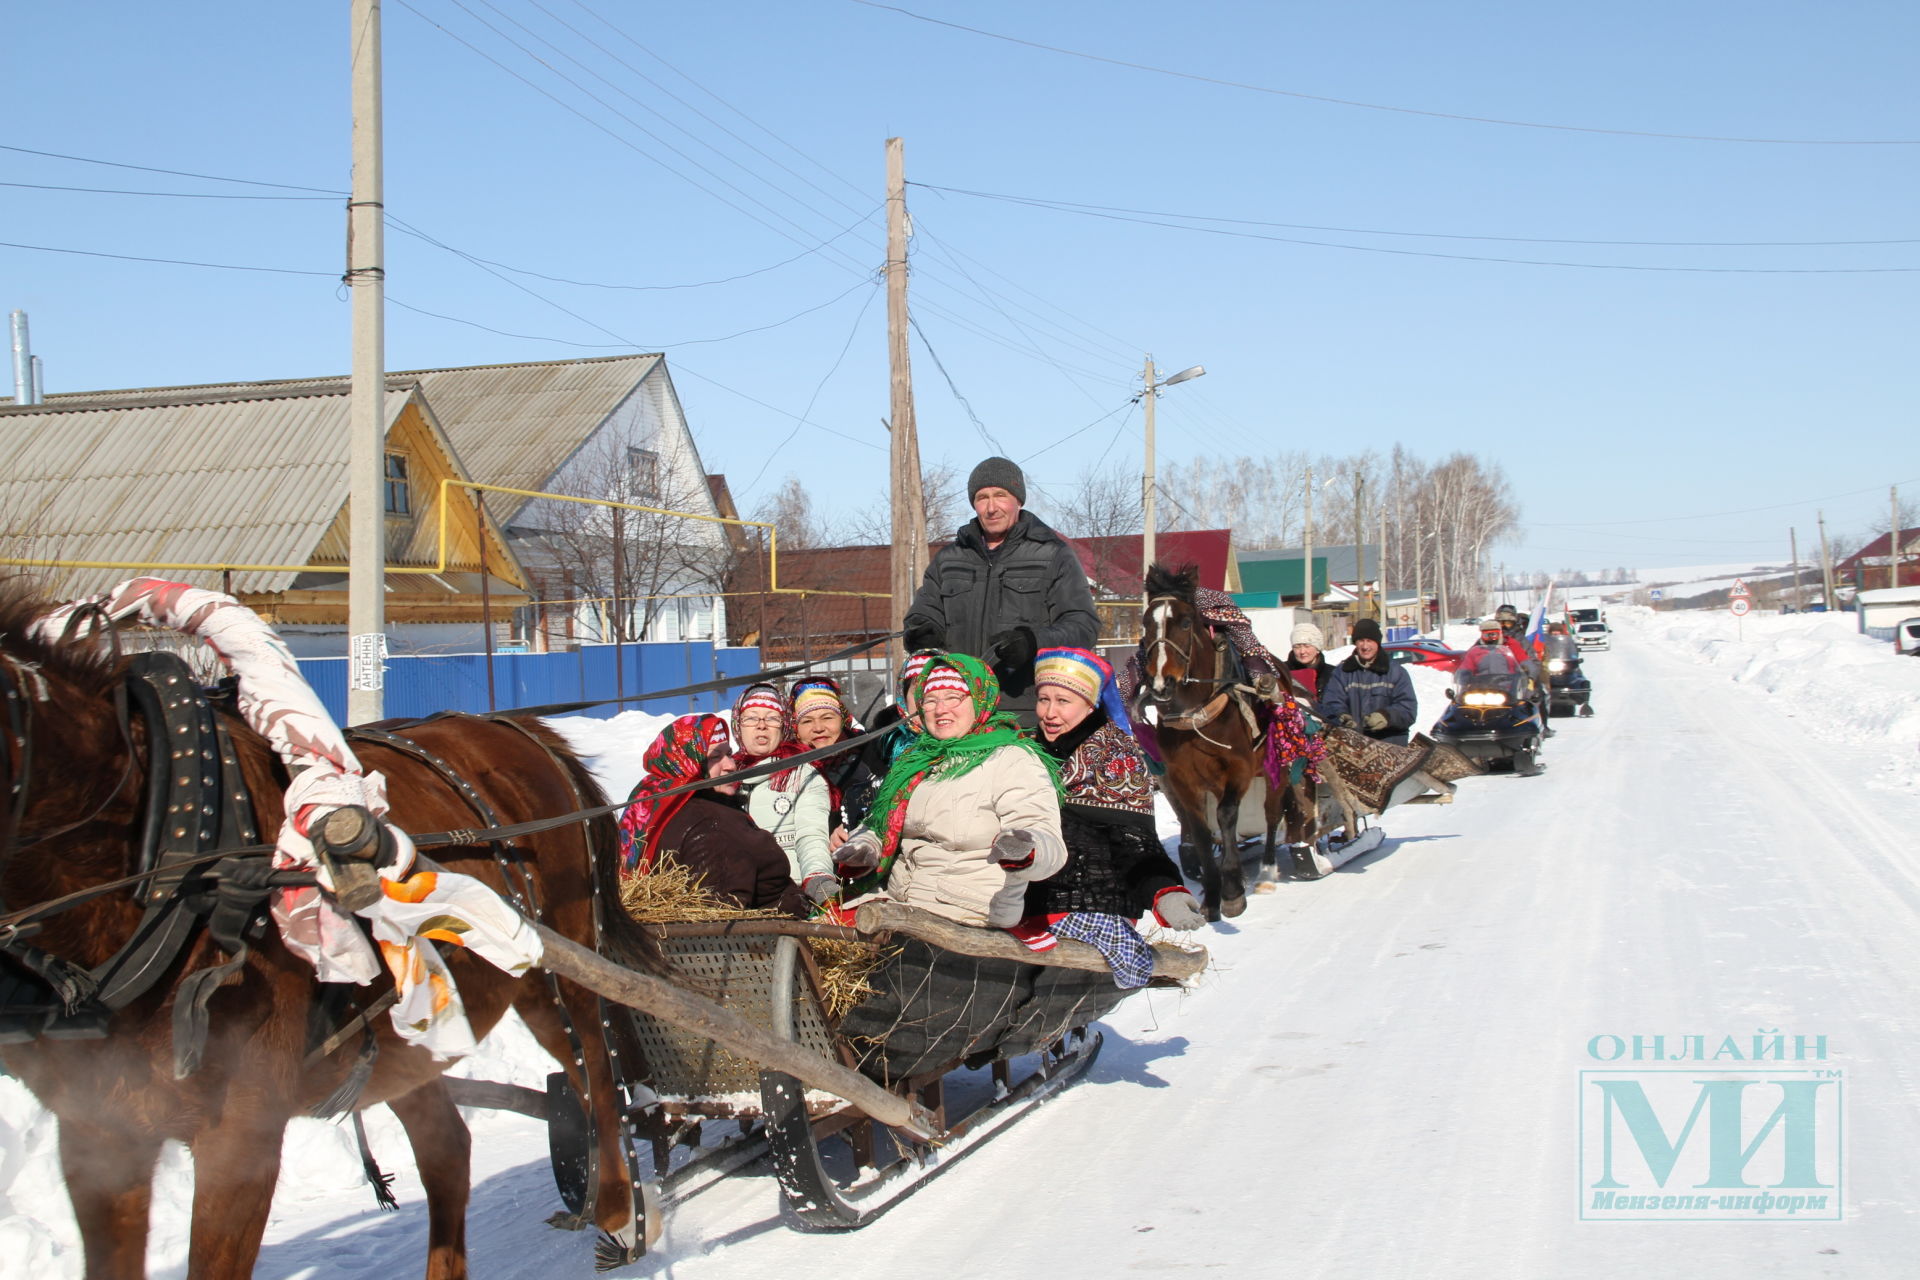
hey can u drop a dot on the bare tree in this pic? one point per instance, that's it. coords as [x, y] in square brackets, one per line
[1105, 503]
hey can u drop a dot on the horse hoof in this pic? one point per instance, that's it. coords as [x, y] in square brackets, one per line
[1233, 907]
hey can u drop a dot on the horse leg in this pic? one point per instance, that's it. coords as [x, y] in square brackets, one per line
[443, 1153]
[235, 1166]
[617, 1206]
[109, 1177]
[1233, 883]
[1196, 840]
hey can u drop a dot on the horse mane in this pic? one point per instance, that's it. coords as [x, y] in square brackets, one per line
[1181, 583]
[93, 668]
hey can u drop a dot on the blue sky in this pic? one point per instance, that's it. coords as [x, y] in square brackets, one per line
[1627, 406]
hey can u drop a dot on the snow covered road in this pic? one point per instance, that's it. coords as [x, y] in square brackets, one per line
[1381, 1076]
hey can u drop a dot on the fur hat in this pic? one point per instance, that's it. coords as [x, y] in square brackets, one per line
[1307, 633]
[1366, 629]
[1001, 473]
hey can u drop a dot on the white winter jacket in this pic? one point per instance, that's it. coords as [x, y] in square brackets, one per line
[797, 817]
[946, 863]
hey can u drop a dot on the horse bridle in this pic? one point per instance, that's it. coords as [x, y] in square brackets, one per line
[1183, 652]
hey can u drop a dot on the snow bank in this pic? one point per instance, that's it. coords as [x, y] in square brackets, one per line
[1846, 687]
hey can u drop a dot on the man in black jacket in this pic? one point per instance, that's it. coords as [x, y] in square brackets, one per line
[1369, 692]
[1005, 588]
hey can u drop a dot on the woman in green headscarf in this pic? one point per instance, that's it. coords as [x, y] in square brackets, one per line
[969, 814]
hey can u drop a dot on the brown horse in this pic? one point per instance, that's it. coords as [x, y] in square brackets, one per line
[1213, 754]
[277, 1044]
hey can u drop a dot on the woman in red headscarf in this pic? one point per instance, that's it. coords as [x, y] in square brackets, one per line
[706, 831]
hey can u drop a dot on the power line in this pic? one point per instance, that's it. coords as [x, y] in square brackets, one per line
[1377, 106]
[177, 173]
[172, 262]
[1714, 515]
[1074, 206]
[177, 195]
[1123, 407]
[651, 288]
[818, 388]
[1468, 257]
[940, 364]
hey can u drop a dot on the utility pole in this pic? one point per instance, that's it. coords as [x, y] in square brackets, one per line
[1442, 627]
[367, 410]
[1365, 601]
[1799, 600]
[1147, 484]
[1306, 589]
[1893, 536]
[1383, 568]
[1826, 565]
[909, 505]
[1419, 575]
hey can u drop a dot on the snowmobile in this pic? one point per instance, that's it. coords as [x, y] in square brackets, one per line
[1495, 713]
[1570, 688]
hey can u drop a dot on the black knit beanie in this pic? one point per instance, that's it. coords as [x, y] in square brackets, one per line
[1366, 629]
[1000, 473]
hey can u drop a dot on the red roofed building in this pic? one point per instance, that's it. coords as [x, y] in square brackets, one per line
[1869, 568]
[1113, 571]
[791, 625]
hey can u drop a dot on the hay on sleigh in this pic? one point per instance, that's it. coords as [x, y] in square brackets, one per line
[672, 894]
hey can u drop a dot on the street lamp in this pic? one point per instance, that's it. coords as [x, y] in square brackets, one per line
[1147, 482]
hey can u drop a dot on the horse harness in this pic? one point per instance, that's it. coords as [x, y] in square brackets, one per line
[1232, 688]
[195, 803]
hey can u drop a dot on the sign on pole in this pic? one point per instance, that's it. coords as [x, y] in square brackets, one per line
[1656, 594]
[1739, 589]
[1741, 606]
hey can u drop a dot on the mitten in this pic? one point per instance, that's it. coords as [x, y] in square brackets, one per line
[1013, 849]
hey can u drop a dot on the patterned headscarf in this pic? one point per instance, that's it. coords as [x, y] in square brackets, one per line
[1086, 673]
[678, 756]
[929, 756]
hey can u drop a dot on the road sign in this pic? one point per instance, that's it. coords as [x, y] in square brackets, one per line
[1657, 594]
[1739, 588]
[1741, 606]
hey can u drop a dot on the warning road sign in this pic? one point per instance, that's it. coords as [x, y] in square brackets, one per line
[1739, 588]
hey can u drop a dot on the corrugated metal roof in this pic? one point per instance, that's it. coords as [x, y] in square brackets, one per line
[510, 424]
[256, 481]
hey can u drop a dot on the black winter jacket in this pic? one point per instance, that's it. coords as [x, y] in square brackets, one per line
[1359, 688]
[1034, 580]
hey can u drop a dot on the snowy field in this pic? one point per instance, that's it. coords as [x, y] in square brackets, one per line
[1379, 1077]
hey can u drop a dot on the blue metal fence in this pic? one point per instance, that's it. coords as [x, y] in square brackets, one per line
[420, 686]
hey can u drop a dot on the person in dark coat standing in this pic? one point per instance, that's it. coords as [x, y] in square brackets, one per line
[1369, 692]
[1005, 588]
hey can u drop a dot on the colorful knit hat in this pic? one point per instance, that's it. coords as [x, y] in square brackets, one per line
[762, 697]
[813, 693]
[678, 756]
[910, 669]
[945, 679]
[1086, 673]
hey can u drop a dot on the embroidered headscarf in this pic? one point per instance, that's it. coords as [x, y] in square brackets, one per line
[929, 756]
[679, 755]
[1086, 673]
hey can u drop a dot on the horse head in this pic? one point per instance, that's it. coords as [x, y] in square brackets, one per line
[1175, 647]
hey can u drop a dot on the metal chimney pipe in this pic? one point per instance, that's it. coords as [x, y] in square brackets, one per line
[22, 361]
[39, 382]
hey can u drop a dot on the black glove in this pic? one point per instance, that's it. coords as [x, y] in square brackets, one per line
[925, 635]
[1014, 649]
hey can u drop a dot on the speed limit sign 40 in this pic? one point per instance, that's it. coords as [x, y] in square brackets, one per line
[1741, 606]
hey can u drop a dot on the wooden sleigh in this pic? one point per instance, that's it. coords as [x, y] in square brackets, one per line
[946, 999]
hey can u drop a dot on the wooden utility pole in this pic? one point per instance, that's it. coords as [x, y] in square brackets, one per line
[1826, 565]
[909, 505]
[1147, 485]
[367, 411]
[1799, 600]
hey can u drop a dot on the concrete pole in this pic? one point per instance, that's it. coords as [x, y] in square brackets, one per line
[1419, 577]
[366, 272]
[1799, 600]
[1826, 565]
[1306, 583]
[1383, 567]
[1147, 483]
[909, 507]
[1893, 535]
